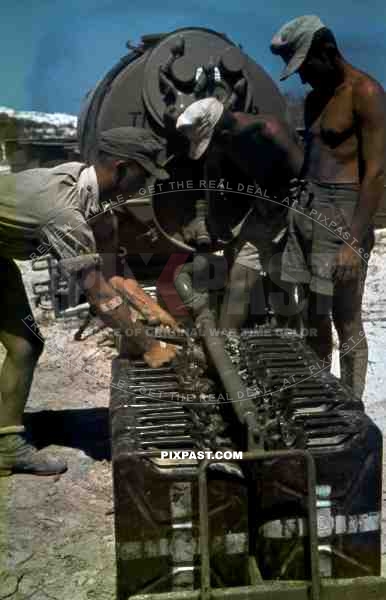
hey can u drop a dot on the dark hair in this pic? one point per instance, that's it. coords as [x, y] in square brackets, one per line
[225, 123]
[324, 41]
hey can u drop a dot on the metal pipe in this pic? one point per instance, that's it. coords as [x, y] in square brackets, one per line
[198, 301]
[242, 405]
[193, 298]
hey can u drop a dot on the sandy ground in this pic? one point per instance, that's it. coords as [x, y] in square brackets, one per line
[56, 534]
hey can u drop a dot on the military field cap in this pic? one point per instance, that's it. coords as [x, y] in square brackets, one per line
[293, 41]
[134, 143]
[198, 122]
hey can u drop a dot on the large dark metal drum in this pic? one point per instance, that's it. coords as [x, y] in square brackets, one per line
[175, 533]
[161, 77]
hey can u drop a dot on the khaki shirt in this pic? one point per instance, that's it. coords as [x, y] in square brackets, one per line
[49, 210]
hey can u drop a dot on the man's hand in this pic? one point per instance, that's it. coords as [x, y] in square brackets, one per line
[159, 354]
[347, 264]
[150, 310]
[196, 230]
[105, 299]
[159, 316]
[165, 318]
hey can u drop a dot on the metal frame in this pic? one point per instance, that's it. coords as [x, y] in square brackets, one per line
[361, 588]
[261, 455]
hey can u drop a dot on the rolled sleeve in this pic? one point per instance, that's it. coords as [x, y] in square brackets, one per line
[71, 239]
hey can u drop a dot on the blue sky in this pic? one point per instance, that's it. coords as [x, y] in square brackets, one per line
[52, 52]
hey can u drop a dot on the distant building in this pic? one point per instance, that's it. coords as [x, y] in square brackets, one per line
[27, 153]
[34, 139]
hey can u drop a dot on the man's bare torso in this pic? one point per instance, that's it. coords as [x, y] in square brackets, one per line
[332, 133]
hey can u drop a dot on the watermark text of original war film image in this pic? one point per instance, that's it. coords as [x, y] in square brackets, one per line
[215, 277]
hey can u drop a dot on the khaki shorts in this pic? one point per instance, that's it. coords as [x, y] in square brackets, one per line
[255, 245]
[318, 228]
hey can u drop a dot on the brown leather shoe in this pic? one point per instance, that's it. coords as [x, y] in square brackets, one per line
[18, 456]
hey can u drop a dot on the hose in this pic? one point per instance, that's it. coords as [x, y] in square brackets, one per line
[197, 300]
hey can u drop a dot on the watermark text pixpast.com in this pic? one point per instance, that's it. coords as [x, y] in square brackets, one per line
[201, 455]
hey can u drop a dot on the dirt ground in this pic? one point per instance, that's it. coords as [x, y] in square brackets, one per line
[56, 534]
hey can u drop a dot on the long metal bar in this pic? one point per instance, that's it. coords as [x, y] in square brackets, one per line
[313, 525]
[256, 455]
[360, 588]
[204, 530]
[262, 455]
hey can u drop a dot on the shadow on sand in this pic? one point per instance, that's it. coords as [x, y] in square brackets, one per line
[84, 429]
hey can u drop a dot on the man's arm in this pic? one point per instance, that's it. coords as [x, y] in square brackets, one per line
[370, 112]
[103, 298]
[276, 131]
[129, 288]
[116, 314]
[72, 240]
[106, 232]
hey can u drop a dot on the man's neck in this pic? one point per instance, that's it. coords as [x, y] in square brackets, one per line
[341, 74]
[227, 122]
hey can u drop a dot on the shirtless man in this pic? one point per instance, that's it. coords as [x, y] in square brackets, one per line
[331, 234]
[255, 144]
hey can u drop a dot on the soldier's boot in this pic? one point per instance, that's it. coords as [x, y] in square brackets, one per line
[18, 456]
